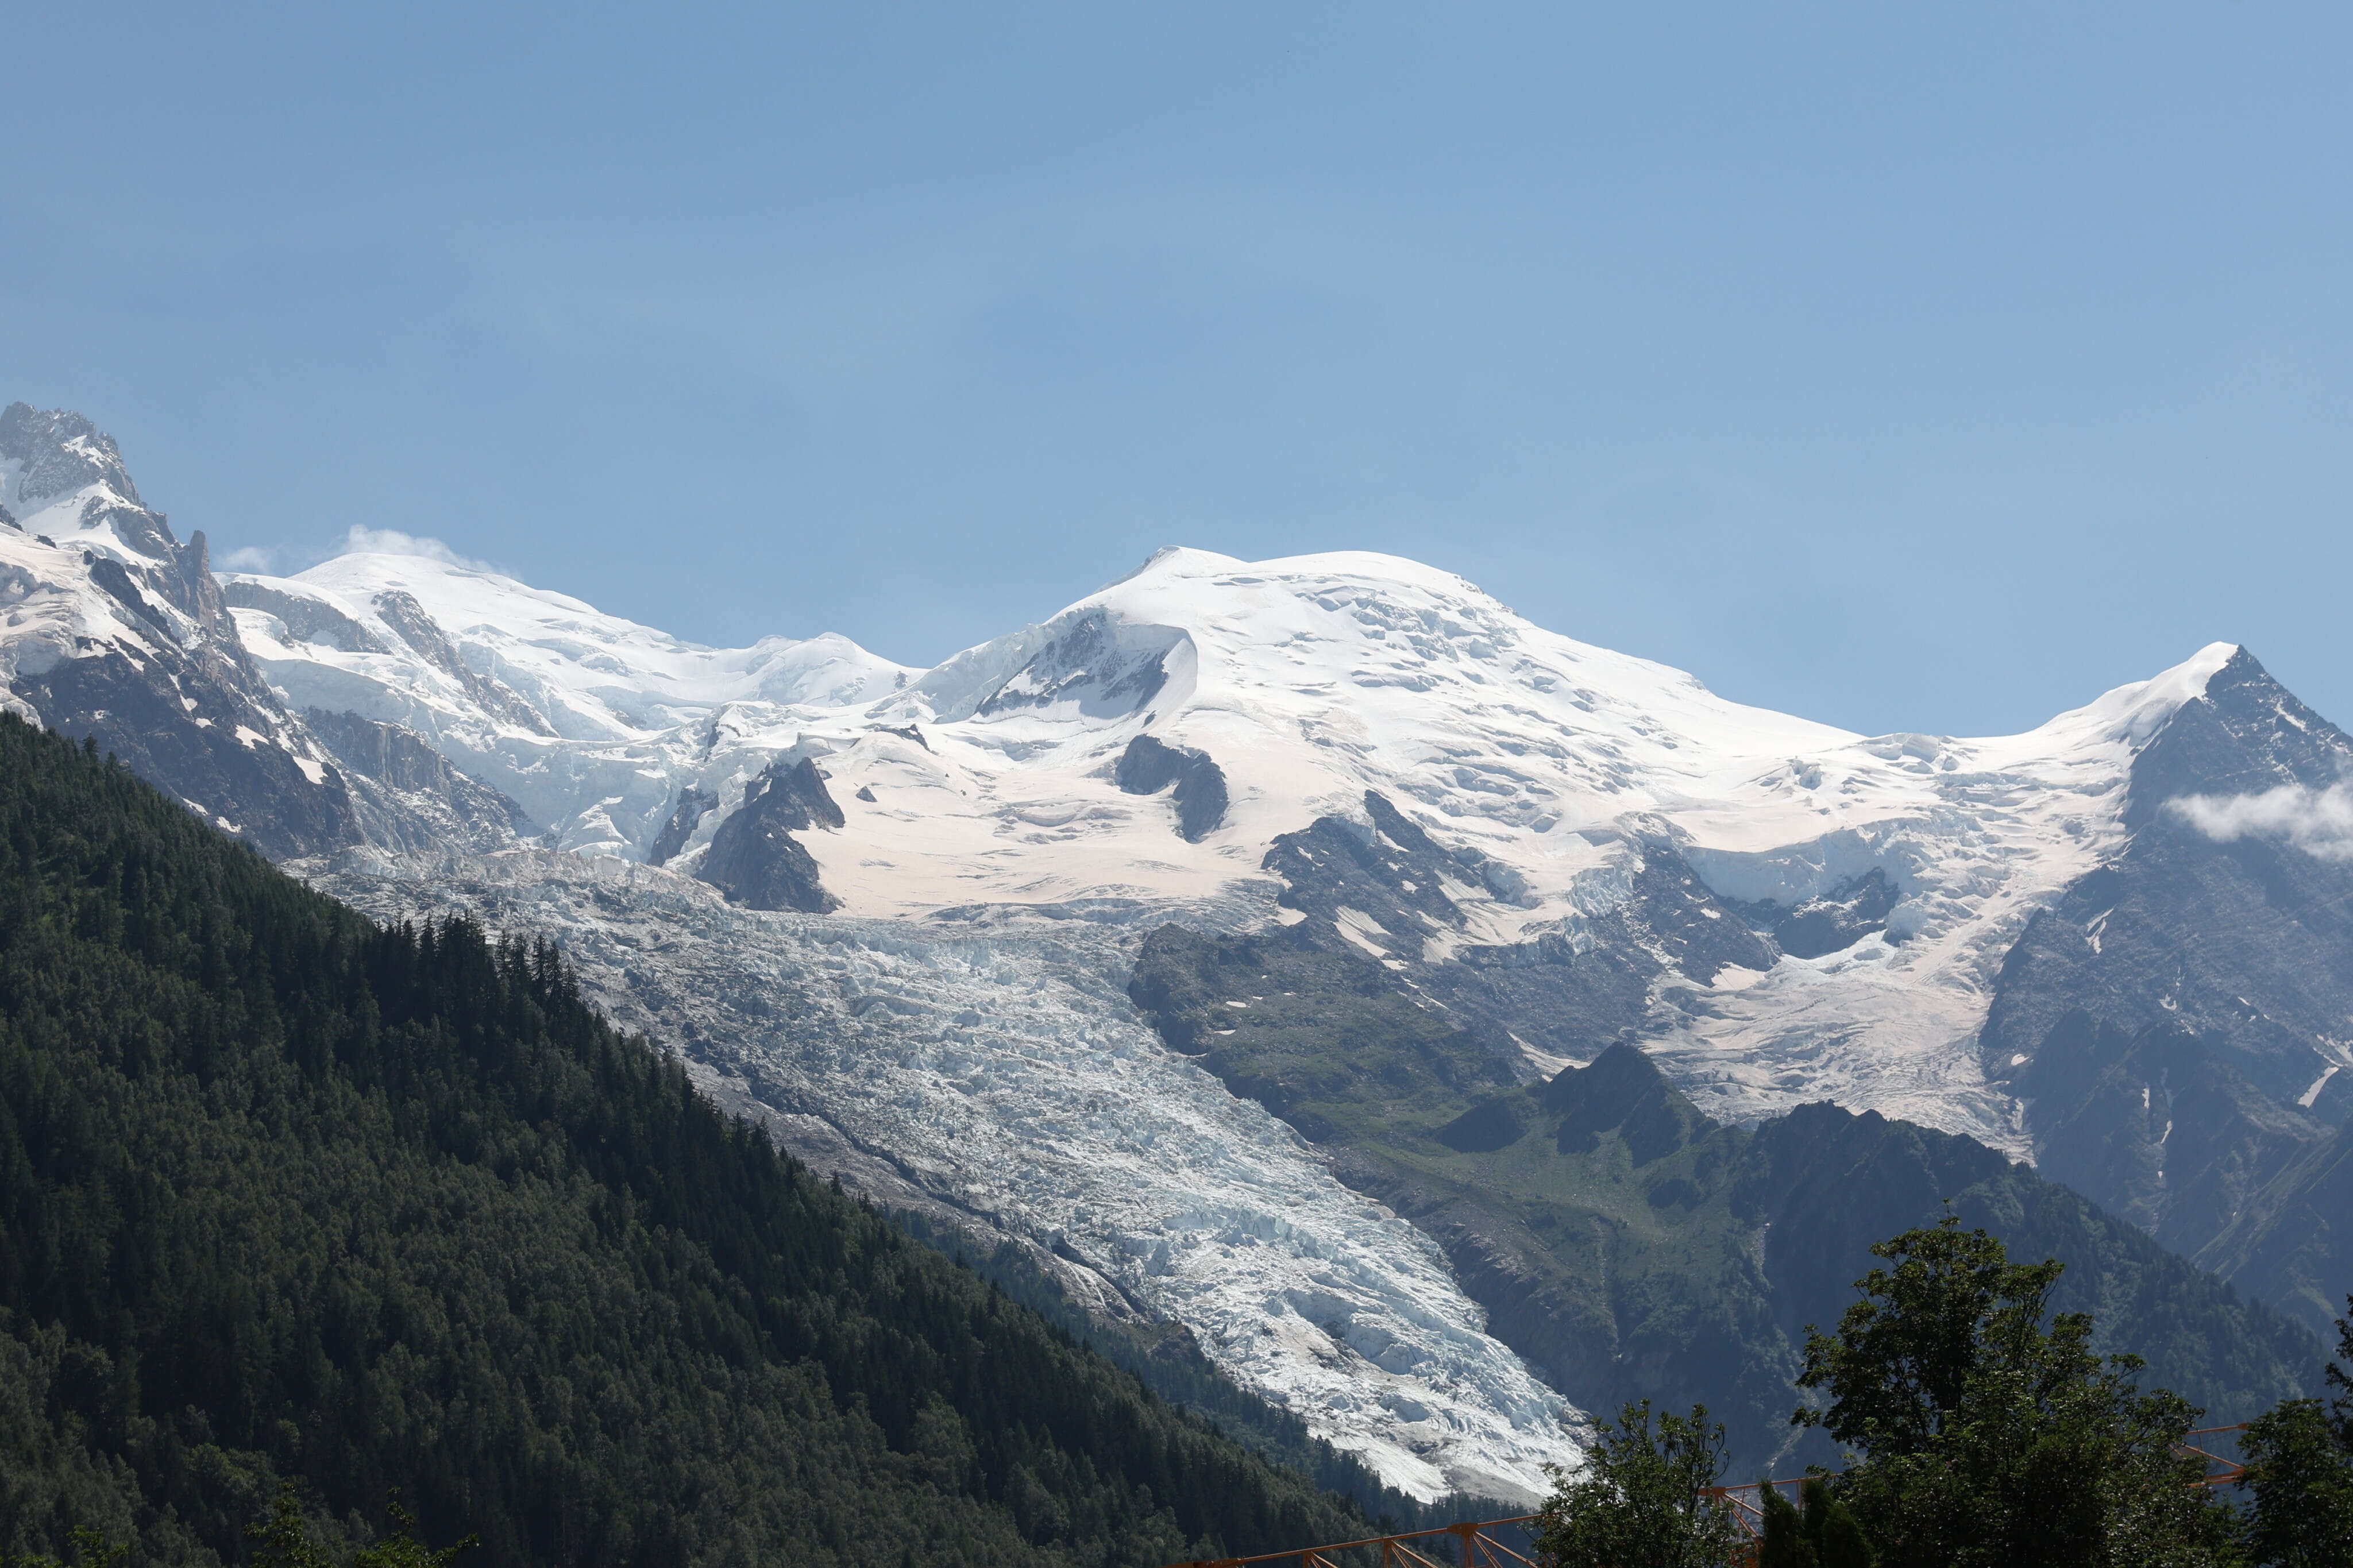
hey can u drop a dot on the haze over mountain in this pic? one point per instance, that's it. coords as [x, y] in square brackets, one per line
[929, 923]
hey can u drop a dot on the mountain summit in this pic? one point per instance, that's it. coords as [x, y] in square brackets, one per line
[897, 912]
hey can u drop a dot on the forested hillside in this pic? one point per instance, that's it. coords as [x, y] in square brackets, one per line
[287, 1195]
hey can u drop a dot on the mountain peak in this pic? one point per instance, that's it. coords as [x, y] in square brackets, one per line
[59, 452]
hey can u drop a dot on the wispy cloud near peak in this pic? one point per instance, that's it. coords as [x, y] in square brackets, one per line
[2318, 821]
[360, 541]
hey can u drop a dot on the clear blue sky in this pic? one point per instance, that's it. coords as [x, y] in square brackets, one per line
[1918, 366]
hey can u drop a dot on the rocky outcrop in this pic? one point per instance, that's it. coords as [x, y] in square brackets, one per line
[305, 619]
[1627, 1244]
[695, 804]
[1387, 888]
[2175, 1021]
[1102, 666]
[1148, 766]
[1829, 923]
[62, 452]
[225, 749]
[754, 858]
[2288, 1244]
[401, 612]
[122, 636]
[418, 802]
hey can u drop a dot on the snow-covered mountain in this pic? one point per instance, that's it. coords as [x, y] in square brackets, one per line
[1290, 689]
[896, 909]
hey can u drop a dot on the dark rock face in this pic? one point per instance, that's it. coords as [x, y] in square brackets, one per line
[424, 634]
[693, 806]
[179, 703]
[184, 706]
[1107, 669]
[1389, 873]
[754, 859]
[2288, 1244]
[1626, 1244]
[2163, 1122]
[253, 787]
[1147, 767]
[1388, 887]
[420, 803]
[305, 620]
[2173, 1018]
[1833, 922]
[62, 452]
[1622, 1089]
[2245, 943]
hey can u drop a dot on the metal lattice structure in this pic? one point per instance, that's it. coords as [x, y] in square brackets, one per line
[1476, 1547]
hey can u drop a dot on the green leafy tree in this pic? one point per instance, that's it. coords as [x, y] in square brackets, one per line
[1816, 1532]
[283, 1540]
[2340, 1408]
[401, 1549]
[1645, 1497]
[1988, 1433]
[1830, 1526]
[2301, 1485]
[1781, 1534]
[2299, 1476]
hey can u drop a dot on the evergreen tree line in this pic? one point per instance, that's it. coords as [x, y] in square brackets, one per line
[1981, 1431]
[298, 1212]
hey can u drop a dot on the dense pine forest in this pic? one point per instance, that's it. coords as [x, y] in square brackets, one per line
[286, 1195]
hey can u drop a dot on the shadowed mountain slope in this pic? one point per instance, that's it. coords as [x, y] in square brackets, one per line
[1629, 1246]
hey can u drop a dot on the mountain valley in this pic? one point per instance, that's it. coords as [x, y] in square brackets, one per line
[1448, 1026]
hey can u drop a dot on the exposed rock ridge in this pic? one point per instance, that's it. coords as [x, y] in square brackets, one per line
[695, 804]
[431, 807]
[422, 632]
[1627, 1244]
[754, 858]
[1149, 767]
[305, 619]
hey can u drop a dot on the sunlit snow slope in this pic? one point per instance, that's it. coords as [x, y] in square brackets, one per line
[991, 779]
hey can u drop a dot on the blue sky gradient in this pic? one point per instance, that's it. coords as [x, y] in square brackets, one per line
[1908, 367]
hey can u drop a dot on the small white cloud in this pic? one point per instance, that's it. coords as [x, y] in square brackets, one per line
[250, 558]
[359, 540]
[2318, 821]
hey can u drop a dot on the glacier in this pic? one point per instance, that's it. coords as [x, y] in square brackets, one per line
[999, 1068]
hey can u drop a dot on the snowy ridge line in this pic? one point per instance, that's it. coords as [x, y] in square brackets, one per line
[990, 781]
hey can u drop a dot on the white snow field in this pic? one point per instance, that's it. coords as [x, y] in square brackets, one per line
[1308, 681]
